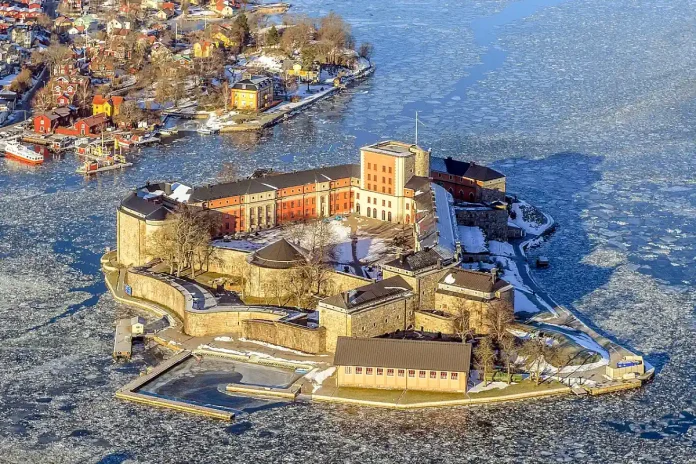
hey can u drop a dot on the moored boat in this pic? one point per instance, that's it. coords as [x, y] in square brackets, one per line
[15, 150]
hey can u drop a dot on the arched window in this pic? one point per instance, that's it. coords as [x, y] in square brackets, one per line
[471, 196]
[357, 209]
[461, 194]
[369, 210]
[408, 219]
[384, 215]
[389, 217]
[451, 191]
[374, 213]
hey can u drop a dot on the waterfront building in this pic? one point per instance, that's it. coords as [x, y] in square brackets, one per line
[106, 106]
[469, 182]
[402, 364]
[254, 93]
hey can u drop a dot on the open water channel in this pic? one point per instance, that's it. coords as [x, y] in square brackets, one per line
[587, 105]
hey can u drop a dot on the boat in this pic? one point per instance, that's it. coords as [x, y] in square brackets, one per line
[93, 167]
[15, 150]
[208, 130]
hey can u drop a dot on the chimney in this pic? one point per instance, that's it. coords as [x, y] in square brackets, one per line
[494, 274]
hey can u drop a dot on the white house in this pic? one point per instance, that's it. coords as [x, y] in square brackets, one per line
[117, 24]
[137, 325]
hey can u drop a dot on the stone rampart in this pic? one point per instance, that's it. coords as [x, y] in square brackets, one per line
[152, 289]
[285, 334]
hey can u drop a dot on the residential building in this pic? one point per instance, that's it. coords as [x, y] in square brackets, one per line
[49, 122]
[108, 107]
[396, 364]
[382, 307]
[203, 49]
[254, 93]
[468, 182]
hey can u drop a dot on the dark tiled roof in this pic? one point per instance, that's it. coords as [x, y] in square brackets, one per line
[403, 354]
[464, 169]
[280, 181]
[416, 183]
[255, 83]
[278, 255]
[415, 261]
[473, 280]
[393, 286]
[151, 210]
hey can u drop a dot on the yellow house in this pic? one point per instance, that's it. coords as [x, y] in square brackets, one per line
[108, 107]
[254, 94]
[221, 38]
[203, 49]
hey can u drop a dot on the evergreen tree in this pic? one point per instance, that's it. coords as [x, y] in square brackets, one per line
[273, 37]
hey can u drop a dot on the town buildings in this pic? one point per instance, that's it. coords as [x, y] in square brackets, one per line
[252, 93]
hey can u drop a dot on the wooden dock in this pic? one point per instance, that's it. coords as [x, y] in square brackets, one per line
[123, 340]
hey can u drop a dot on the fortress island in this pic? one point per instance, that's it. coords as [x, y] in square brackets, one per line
[402, 281]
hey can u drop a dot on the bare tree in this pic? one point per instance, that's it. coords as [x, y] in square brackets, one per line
[484, 356]
[508, 353]
[462, 324]
[162, 244]
[536, 351]
[366, 50]
[57, 54]
[43, 100]
[129, 114]
[497, 318]
[226, 92]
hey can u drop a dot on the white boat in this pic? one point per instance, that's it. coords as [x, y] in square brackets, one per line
[208, 130]
[15, 150]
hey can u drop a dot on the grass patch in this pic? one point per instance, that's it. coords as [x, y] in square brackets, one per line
[369, 394]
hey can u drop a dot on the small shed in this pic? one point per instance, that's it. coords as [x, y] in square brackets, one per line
[137, 325]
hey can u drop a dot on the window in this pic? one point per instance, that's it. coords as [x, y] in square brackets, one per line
[380, 371]
[384, 203]
[389, 204]
[383, 190]
[411, 373]
[368, 371]
[402, 372]
[389, 180]
[390, 171]
[384, 215]
[433, 374]
[369, 186]
[358, 370]
[389, 190]
[389, 216]
[345, 195]
[369, 177]
[390, 372]
[408, 206]
[384, 168]
[454, 376]
[421, 374]
[383, 180]
[347, 370]
[369, 165]
[375, 166]
[443, 375]
[357, 195]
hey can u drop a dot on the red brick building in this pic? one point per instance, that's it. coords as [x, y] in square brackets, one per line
[468, 182]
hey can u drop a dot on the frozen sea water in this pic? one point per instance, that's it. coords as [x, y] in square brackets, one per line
[587, 105]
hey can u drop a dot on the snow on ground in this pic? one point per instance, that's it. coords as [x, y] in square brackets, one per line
[524, 304]
[256, 354]
[274, 347]
[472, 239]
[271, 63]
[7, 80]
[498, 248]
[530, 219]
[512, 274]
[370, 249]
[223, 339]
[481, 386]
[317, 377]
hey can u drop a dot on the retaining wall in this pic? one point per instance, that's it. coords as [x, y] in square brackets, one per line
[288, 335]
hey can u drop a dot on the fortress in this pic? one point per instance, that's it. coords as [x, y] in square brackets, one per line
[395, 183]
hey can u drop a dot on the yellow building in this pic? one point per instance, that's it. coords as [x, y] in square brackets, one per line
[254, 94]
[108, 107]
[396, 364]
[203, 49]
[368, 311]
